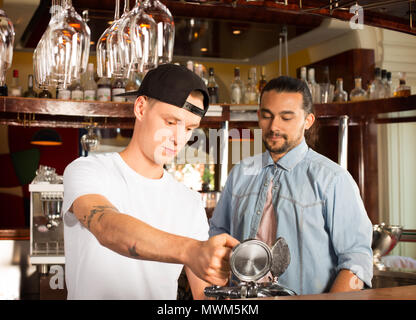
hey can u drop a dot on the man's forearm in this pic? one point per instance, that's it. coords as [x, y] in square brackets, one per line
[129, 236]
[346, 281]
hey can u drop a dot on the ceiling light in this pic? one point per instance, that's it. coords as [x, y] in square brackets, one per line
[204, 49]
[236, 31]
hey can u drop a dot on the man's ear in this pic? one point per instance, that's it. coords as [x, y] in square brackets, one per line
[139, 107]
[309, 121]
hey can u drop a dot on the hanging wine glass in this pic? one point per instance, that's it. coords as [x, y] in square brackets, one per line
[6, 45]
[165, 29]
[142, 44]
[116, 52]
[68, 43]
[103, 63]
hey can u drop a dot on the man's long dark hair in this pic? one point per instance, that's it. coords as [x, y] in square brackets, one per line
[289, 84]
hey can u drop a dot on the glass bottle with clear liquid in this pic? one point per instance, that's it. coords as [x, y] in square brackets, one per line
[15, 89]
[358, 93]
[236, 87]
[30, 93]
[340, 95]
[90, 86]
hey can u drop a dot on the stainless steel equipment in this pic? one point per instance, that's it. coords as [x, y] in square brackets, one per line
[46, 227]
[385, 238]
[250, 261]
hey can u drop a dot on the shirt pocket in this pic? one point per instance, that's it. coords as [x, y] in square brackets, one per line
[242, 213]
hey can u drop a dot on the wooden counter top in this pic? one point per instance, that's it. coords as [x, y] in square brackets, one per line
[395, 293]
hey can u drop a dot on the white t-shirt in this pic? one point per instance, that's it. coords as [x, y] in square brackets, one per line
[96, 272]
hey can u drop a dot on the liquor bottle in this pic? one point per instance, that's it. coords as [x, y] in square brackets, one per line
[212, 87]
[389, 86]
[376, 89]
[402, 90]
[200, 72]
[118, 85]
[45, 94]
[190, 65]
[15, 89]
[236, 87]
[385, 83]
[251, 95]
[90, 86]
[3, 91]
[262, 82]
[104, 89]
[63, 94]
[30, 93]
[340, 95]
[303, 74]
[132, 84]
[77, 93]
[358, 93]
[314, 87]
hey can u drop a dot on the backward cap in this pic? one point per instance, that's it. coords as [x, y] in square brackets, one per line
[171, 84]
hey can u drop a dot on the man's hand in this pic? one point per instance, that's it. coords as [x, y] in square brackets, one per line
[210, 260]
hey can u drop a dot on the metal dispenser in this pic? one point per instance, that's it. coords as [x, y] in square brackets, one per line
[250, 261]
[46, 227]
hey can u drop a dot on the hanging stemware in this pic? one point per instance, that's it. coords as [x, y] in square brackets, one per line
[116, 52]
[68, 43]
[165, 29]
[6, 45]
[142, 44]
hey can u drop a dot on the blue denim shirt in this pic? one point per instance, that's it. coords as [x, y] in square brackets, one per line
[319, 212]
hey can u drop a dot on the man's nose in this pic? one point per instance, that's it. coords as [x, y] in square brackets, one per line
[275, 124]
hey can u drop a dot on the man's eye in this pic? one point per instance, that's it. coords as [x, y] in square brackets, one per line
[171, 123]
[286, 119]
[266, 116]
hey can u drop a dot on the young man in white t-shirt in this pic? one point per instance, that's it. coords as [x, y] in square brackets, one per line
[129, 227]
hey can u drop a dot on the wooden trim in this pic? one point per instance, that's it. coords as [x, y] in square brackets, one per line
[15, 234]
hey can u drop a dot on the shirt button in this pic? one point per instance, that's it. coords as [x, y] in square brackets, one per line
[265, 184]
[258, 211]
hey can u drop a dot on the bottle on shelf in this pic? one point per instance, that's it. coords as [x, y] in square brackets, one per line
[340, 95]
[30, 93]
[303, 75]
[90, 86]
[190, 65]
[314, 87]
[376, 89]
[132, 84]
[77, 92]
[15, 89]
[251, 95]
[236, 87]
[3, 91]
[358, 93]
[389, 86]
[118, 85]
[63, 94]
[200, 72]
[45, 94]
[212, 88]
[104, 89]
[262, 82]
[402, 90]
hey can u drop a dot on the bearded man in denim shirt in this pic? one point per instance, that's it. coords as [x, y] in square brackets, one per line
[293, 192]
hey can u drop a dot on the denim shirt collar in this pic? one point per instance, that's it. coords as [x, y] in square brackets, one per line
[290, 159]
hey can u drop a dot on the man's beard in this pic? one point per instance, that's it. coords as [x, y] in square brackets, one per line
[282, 149]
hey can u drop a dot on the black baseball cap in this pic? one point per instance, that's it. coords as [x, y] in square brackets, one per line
[172, 84]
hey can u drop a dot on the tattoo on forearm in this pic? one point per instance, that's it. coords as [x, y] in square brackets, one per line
[132, 251]
[93, 212]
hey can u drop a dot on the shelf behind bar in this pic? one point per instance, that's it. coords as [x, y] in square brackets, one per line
[76, 114]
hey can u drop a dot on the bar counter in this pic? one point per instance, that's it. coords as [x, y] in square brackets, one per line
[395, 293]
